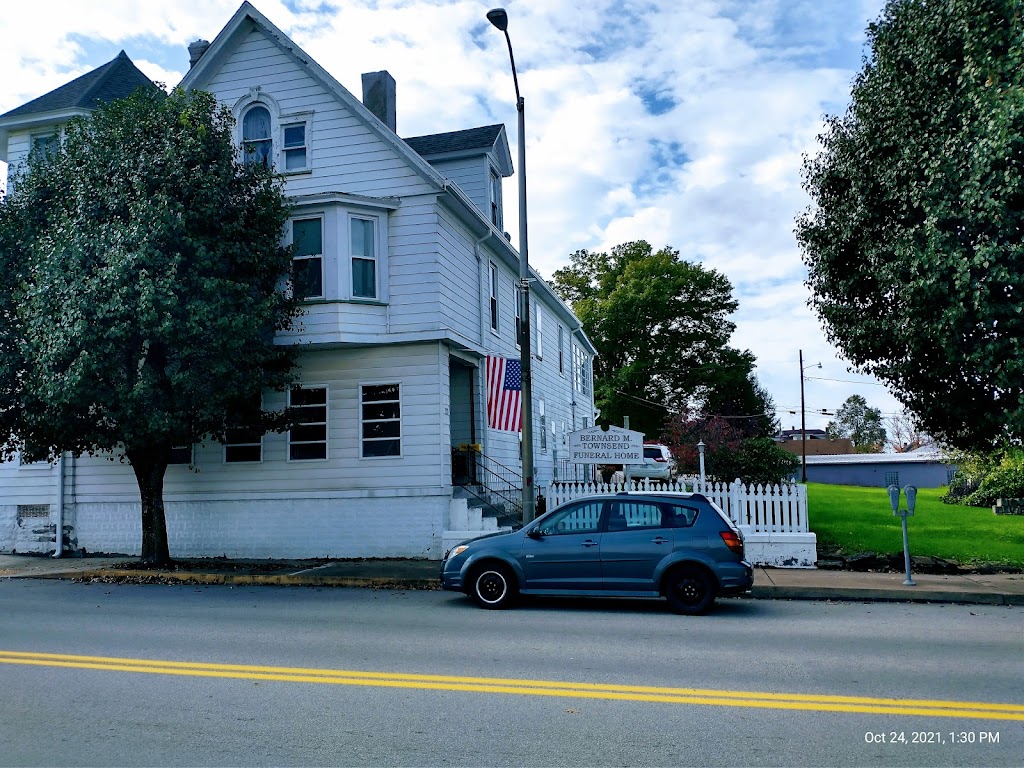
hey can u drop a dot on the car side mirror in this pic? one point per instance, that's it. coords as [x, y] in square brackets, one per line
[535, 533]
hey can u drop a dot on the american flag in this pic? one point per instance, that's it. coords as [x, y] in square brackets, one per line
[504, 393]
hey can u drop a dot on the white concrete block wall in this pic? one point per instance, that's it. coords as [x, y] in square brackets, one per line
[275, 528]
[781, 550]
[20, 536]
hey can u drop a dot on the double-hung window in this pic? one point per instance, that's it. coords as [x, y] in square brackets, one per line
[561, 349]
[380, 420]
[543, 426]
[45, 144]
[519, 317]
[243, 445]
[257, 144]
[494, 298]
[540, 333]
[580, 371]
[308, 255]
[180, 454]
[308, 438]
[495, 189]
[364, 258]
[295, 147]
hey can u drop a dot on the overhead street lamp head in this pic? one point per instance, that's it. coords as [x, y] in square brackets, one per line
[498, 18]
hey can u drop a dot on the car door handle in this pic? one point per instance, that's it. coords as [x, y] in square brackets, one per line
[659, 540]
[589, 543]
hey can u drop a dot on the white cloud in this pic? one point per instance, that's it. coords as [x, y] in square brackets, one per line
[738, 88]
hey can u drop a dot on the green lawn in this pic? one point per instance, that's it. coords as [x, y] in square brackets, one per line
[856, 519]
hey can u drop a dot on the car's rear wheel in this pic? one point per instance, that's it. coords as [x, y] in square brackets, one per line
[690, 590]
[493, 586]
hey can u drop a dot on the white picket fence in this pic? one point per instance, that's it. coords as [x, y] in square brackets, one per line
[756, 509]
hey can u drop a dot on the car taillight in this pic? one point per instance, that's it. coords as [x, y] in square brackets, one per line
[733, 541]
[658, 458]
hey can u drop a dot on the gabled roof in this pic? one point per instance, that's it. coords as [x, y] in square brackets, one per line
[482, 140]
[114, 80]
[456, 141]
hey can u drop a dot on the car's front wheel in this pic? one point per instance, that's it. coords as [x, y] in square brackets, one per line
[690, 590]
[493, 586]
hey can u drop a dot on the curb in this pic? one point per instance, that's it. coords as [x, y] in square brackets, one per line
[237, 579]
[884, 595]
[761, 592]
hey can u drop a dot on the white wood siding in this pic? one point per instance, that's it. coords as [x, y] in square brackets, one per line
[414, 277]
[459, 278]
[419, 369]
[344, 154]
[18, 146]
[473, 176]
[27, 483]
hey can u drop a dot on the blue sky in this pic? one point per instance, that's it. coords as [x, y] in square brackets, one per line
[680, 123]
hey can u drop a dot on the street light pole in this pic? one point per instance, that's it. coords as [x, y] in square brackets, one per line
[499, 18]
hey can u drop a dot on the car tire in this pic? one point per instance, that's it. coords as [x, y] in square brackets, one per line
[690, 590]
[493, 586]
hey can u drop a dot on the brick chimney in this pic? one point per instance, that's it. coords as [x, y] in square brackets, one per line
[196, 49]
[379, 96]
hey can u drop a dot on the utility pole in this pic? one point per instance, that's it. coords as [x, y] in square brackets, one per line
[803, 425]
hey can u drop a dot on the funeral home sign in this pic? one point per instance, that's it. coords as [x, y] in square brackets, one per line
[612, 446]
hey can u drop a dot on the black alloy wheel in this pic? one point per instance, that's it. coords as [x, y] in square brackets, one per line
[690, 590]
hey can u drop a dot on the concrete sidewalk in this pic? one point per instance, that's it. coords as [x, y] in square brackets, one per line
[769, 583]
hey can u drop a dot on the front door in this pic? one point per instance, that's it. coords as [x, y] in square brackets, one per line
[566, 553]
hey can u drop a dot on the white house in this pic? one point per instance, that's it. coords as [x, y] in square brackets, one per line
[410, 284]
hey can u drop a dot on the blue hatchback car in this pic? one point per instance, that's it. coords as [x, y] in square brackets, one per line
[678, 546]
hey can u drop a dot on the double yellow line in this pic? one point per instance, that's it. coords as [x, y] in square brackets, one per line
[574, 690]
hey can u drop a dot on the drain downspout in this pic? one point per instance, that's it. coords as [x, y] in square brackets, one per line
[59, 529]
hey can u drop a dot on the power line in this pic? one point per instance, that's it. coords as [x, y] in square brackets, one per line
[662, 405]
[844, 381]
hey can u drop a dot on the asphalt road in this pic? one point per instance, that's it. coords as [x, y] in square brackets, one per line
[99, 674]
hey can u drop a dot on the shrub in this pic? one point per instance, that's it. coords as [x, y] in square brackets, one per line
[758, 461]
[982, 478]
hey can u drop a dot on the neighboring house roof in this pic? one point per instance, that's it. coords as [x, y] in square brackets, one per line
[925, 454]
[812, 434]
[114, 80]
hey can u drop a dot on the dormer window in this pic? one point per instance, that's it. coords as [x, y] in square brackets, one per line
[256, 138]
[496, 200]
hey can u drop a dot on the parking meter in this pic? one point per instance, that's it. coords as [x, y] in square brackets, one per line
[894, 501]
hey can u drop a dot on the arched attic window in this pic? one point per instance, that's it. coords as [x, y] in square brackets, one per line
[256, 138]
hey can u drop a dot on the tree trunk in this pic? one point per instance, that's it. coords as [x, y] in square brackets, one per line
[149, 466]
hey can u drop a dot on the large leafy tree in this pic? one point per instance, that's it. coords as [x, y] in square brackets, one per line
[859, 422]
[661, 328]
[141, 270]
[913, 245]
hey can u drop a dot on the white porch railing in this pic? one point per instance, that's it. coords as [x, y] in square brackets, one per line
[755, 509]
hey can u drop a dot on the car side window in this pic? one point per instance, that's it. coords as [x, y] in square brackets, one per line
[629, 515]
[683, 516]
[578, 518]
